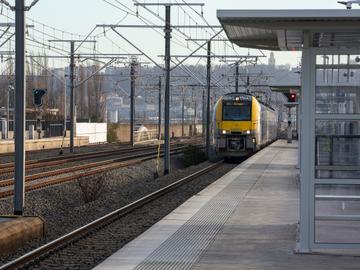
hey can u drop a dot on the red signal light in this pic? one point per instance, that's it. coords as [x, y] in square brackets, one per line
[291, 97]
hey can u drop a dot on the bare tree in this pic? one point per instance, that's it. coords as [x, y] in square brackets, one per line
[91, 187]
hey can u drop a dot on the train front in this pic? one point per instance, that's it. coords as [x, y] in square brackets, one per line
[235, 125]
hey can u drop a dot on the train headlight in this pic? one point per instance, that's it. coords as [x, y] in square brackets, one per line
[223, 131]
[248, 132]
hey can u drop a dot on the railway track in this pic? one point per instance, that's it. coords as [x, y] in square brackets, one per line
[116, 144]
[42, 252]
[8, 168]
[76, 172]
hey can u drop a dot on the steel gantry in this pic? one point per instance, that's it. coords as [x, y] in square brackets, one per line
[167, 70]
[72, 87]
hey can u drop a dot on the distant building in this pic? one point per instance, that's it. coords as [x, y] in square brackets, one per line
[286, 67]
[272, 60]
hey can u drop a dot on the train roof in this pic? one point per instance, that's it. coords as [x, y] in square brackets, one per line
[234, 93]
[248, 94]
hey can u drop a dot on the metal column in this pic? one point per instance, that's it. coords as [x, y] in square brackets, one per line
[203, 113]
[7, 112]
[195, 114]
[208, 112]
[248, 84]
[306, 142]
[72, 96]
[65, 108]
[159, 115]
[237, 78]
[20, 104]
[132, 101]
[183, 115]
[167, 90]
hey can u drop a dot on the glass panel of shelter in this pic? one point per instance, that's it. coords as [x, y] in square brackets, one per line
[337, 206]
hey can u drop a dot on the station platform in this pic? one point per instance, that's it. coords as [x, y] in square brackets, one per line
[7, 146]
[248, 219]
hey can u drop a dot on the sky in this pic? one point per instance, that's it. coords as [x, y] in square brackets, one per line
[80, 16]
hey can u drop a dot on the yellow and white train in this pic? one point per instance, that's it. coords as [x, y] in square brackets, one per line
[242, 125]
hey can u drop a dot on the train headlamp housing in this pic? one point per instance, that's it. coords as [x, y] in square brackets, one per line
[248, 132]
[224, 132]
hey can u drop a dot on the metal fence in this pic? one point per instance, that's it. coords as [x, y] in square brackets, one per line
[49, 128]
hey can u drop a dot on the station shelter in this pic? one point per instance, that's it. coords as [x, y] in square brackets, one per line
[329, 108]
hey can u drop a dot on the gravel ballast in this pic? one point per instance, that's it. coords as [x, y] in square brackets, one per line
[64, 209]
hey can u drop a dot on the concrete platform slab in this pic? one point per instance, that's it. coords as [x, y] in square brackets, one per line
[246, 220]
[16, 231]
[7, 146]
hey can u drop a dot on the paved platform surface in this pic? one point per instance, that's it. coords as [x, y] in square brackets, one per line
[246, 220]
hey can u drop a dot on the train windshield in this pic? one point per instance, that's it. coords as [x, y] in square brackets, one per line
[237, 112]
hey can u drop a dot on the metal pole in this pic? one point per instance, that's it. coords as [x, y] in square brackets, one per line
[183, 115]
[195, 114]
[237, 78]
[208, 81]
[132, 101]
[8, 112]
[159, 115]
[65, 114]
[248, 84]
[167, 90]
[203, 113]
[72, 96]
[20, 104]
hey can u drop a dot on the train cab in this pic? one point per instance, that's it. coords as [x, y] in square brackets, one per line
[242, 124]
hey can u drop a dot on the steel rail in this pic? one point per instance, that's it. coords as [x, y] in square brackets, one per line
[33, 177]
[32, 164]
[74, 157]
[120, 163]
[92, 227]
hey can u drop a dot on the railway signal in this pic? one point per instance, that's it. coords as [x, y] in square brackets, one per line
[292, 97]
[38, 95]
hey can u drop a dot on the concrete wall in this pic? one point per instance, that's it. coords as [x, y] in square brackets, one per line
[123, 130]
[7, 146]
[97, 132]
